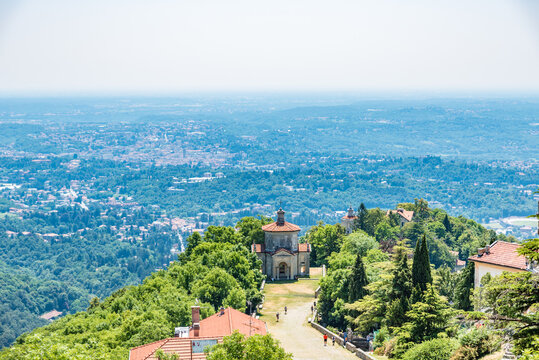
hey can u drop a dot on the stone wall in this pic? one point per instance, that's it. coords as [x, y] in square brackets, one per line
[339, 340]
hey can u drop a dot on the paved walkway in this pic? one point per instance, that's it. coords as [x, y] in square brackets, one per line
[293, 330]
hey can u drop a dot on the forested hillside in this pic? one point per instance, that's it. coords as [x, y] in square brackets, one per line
[419, 307]
[218, 270]
[59, 260]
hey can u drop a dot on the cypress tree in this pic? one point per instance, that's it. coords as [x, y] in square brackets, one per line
[359, 223]
[447, 223]
[358, 281]
[415, 262]
[421, 267]
[464, 288]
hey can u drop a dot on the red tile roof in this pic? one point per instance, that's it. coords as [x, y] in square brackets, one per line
[232, 319]
[179, 346]
[408, 215]
[213, 327]
[502, 253]
[304, 247]
[285, 227]
[345, 217]
[142, 352]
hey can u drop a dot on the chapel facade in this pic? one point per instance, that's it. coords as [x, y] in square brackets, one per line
[283, 257]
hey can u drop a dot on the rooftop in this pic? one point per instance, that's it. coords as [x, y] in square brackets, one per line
[284, 227]
[501, 253]
[408, 215]
[223, 323]
[51, 315]
[280, 225]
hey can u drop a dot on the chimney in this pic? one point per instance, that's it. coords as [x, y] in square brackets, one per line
[195, 316]
[222, 310]
[280, 217]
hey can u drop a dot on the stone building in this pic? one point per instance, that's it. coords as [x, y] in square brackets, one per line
[283, 257]
[347, 221]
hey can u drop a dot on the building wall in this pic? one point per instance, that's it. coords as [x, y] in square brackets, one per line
[283, 258]
[303, 257]
[481, 269]
[347, 224]
[276, 240]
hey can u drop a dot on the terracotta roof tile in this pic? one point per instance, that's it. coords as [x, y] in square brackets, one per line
[213, 327]
[502, 253]
[142, 352]
[304, 247]
[346, 217]
[223, 325]
[286, 227]
[408, 215]
[178, 346]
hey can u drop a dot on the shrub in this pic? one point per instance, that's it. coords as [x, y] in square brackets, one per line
[465, 353]
[381, 337]
[389, 347]
[481, 340]
[436, 349]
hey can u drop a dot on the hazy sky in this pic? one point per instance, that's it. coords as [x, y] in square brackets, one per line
[104, 46]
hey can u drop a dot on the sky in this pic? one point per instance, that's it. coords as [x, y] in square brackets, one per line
[167, 46]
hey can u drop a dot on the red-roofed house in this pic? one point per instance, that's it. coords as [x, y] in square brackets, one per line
[190, 342]
[283, 257]
[405, 216]
[347, 220]
[496, 258]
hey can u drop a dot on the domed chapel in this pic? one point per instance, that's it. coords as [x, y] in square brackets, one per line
[283, 257]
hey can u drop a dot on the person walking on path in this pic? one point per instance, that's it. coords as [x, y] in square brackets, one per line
[333, 340]
[312, 309]
[277, 315]
[285, 309]
[325, 340]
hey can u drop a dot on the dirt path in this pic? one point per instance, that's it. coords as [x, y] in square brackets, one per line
[293, 329]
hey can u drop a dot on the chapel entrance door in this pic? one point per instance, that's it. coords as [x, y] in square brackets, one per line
[283, 271]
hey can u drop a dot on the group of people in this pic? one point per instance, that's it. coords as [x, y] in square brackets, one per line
[326, 340]
[344, 334]
[277, 313]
